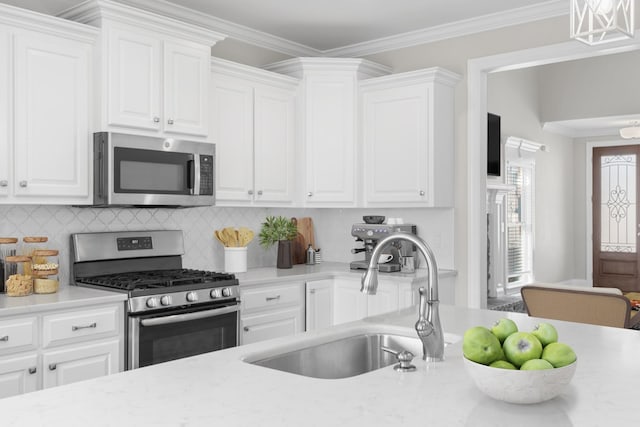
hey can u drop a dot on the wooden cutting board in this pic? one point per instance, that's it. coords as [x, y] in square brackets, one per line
[304, 238]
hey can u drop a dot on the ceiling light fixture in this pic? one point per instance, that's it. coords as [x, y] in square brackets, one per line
[600, 21]
[631, 132]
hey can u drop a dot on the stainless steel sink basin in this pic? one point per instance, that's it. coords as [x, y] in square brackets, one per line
[343, 358]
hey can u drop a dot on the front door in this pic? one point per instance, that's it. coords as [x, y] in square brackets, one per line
[616, 228]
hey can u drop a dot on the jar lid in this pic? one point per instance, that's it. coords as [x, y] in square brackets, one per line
[35, 239]
[45, 252]
[4, 240]
[18, 258]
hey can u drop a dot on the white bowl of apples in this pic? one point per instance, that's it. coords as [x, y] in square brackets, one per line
[518, 367]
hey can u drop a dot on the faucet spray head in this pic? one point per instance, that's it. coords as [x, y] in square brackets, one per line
[370, 281]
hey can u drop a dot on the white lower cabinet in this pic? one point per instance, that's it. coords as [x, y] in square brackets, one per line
[319, 313]
[59, 347]
[271, 311]
[349, 303]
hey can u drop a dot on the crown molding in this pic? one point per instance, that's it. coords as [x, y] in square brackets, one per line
[434, 74]
[233, 69]
[549, 9]
[297, 67]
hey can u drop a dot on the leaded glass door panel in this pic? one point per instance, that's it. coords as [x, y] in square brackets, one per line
[615, 217]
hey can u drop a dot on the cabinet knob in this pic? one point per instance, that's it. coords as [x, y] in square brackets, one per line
[246, 329]
[4, 338]
[309, 194]
[156, 119]
[250, 192]
[33, 370]
[4, 183]
[52, 366]
[421, 193]
[170, 121]
[312, 291]
[259, 192]
[23, 184]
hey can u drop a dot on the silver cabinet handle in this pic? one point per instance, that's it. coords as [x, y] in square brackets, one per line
[277, 297]
[23, 184]
[33, 370]
[259, 192]
[4, 338]
[246, 329]
[53, 366]
[312, 291]
[92, 325]
[156, 119]
[4, 183]
[421, 193]
[250, 192]
[170, 121]
[309, 194]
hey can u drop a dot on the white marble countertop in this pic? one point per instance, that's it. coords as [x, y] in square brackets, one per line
[220, 389]
[66, 297]
[324, 270]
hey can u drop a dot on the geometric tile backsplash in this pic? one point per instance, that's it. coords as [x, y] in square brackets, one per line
[332, 229]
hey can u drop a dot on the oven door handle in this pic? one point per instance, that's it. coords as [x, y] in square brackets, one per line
[176, 318]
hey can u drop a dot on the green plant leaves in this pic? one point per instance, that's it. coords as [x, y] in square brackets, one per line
[275, 229]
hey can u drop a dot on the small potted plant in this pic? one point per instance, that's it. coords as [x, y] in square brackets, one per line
[281, 230]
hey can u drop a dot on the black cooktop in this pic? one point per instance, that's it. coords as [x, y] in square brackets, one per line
[140, 280]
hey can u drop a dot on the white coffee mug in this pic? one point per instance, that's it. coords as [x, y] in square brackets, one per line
[384, 258]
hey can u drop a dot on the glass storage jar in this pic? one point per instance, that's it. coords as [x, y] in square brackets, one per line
[31, 244]
[20, 283]
[7, 248]
[44, 269]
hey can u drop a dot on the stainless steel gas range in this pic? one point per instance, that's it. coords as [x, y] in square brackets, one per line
[172, 312]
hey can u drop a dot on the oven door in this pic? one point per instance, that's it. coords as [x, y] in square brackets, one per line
[160, 337]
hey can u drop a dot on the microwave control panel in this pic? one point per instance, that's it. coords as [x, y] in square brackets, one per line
[206, 175]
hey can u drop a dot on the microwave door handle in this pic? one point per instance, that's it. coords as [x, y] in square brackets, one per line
[191, 175]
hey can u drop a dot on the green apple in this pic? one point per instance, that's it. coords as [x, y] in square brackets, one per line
[503, 328]
[535, 364]
[481, 346]
[559, 354]
[546, 333]
[520, 347]
[503, 364]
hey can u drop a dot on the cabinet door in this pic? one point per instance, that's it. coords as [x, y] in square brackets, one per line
[274, 138]
[18, 374]
[232, 132]
[6, 153]
[349, 303]
[319, 304]
[78, 363]
[133, 75]
[186, 88]
[330, 139]
[51, 116]
[384, 301]
[396, 142]
[273, 324]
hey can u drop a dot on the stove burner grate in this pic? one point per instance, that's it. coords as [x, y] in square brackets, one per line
[156, 279]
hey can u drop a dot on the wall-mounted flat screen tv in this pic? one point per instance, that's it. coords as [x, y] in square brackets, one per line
[493, 145]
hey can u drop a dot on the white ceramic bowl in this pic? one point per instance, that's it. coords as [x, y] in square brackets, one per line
[520, 386]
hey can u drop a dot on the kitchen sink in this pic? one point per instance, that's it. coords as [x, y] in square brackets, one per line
[344, 357]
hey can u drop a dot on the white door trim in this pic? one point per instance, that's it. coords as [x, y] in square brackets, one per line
[477, 70]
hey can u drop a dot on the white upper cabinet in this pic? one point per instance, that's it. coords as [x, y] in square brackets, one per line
[253, 127]
[45, 121]
[156, 78]
[327, 118]
[408, 139]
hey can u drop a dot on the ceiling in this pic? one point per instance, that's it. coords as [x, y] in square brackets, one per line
[332, 24]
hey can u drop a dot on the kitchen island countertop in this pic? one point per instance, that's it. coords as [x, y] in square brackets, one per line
[219, 388]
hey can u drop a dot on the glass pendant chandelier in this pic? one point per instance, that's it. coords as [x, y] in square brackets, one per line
[600, 21]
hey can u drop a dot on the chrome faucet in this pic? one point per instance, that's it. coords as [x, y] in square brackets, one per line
[428, 325]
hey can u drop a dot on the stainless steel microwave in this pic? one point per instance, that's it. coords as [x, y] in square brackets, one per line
[134, 170]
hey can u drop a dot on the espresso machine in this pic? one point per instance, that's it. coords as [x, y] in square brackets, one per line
[403, 254]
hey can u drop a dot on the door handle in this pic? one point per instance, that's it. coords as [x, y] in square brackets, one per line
[277, 297]
[92, 325]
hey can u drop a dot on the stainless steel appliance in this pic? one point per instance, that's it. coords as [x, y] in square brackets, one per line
[171, 312]
[134, 170]
[403, 253]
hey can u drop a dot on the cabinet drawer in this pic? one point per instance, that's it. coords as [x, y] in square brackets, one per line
[271, 296]
[72, 326]
[17, 334]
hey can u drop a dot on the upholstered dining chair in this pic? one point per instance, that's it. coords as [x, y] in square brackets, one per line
[597, 306]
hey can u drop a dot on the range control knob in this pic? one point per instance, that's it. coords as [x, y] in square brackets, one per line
[192, 296]
[226, 292]
[216, 293]
[165, 300]
[152, 302]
